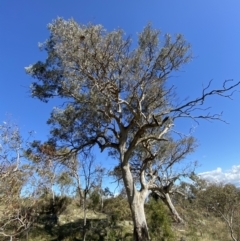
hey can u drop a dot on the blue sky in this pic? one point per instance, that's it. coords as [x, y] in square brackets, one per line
[212, 28]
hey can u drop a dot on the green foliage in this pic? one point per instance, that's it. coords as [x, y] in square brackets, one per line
[49, 206]
[117, 208]
[159, 222]
[95, 199]
[65, 181]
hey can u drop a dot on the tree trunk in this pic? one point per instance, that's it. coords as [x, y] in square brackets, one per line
[136, 201]
[140, 231]
[84, 217]
[167, 200]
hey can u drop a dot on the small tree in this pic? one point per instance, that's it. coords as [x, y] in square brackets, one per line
[18, 204]
[45, 164]
[87, 176]
[116, 97]
[224, 201]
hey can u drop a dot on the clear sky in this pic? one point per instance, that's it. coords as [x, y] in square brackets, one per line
[212, 27]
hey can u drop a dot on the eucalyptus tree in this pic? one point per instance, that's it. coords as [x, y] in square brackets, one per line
[116, 97]
[65, 182]
[170, 167]
[87, 177]
[18, 202]
[224, 201]
[46, 167]
[10, 149]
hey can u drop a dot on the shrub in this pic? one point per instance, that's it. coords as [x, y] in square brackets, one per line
[159, 222]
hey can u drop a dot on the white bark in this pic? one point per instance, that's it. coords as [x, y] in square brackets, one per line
[173, 210]
[136, 201]
[139, 219]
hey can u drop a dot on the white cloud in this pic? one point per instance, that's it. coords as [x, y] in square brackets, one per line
[220, 176]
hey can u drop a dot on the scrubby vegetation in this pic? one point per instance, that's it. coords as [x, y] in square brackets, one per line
[210, 212]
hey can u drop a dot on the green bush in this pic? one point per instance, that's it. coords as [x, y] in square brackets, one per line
[159, 222]
[117, 208]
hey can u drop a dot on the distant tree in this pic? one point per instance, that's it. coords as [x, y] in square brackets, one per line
[116, 97]
[17, 199]
[87, 177]
[10, 148]
[65, 182]
[220, 200]
[45, 164]
[223, 201]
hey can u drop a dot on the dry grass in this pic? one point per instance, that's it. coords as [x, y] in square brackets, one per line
[201, 227]
[74, 213]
